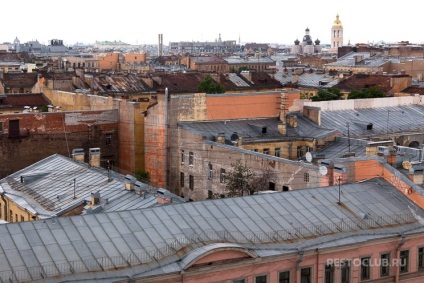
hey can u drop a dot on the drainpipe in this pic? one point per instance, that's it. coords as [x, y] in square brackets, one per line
[299, 260]
[167, 140]
[5, 206]
[397, 255]
[316, 273]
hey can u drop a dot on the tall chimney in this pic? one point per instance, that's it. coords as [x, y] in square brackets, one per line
[282, 128]
[78, 154]
[95, 198]
[164, 196]
[129, 182]
[160, 45]
[94, 156]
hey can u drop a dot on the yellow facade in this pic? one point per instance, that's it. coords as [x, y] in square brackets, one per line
[288, 149]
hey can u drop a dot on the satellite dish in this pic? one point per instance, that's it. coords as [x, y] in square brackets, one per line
[323, 170]
[406, 165]
[308, 156]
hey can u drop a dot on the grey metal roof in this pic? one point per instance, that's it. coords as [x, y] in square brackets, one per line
[251, 129]
[48, 188]
[368, 60]
[306, 79]
[384, 120]
[144, 241]
[340, 147]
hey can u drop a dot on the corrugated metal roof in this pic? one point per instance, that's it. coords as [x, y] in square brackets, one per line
[49, 185]
[151, 240]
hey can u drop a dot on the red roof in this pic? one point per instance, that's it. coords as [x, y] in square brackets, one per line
[23, 99]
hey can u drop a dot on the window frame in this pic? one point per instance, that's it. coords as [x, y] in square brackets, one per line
[345, 268]
[386, 267]
[222, 176]
[329, 278]
[277, 152]
[310, 273]
[404, 269]
[306, 177]
[261, 276]
[182, 157]
[363, 267]
[191, 182]
[191, 158]
[286, 280]
[210, 171]
[420, 256]
[182, 179]
[265, 150]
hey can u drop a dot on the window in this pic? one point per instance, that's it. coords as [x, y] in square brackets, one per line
[420, 255]
[0, 211]
[306, 177]
[365, 268]
[11, 216]
[191, 182]
[210, 171]
[277, 152]
[108, 139]
[345, 272]
[190, 158]
[285, 188]
[329, 273]
[266, 150]
[261, 279]
[239, 281]
[305, 275]
[299, 151]
[22, 218]
[14, 128]
[210, 194]
[284, 277]
[1, 127]
[404, 261]
[182, 156]
[271, 186]
[222, 176]
[255, 150]
[384, 265]
[182, 179]
[16, 217]
[308, 149]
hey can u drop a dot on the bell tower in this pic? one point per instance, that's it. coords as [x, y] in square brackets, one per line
[336, 35]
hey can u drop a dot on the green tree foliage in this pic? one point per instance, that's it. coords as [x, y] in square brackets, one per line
[372, 92]
[242, 181]
[209, 85]
[328, 94]
[142, 176]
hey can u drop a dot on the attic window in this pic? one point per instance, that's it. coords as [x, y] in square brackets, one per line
[264, 129]
[369, 126]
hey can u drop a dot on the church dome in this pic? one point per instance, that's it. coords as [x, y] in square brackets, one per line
[296, 42]
[317, 42]
[337, 22]
[309, 42]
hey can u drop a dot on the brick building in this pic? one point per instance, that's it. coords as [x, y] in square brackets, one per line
[28, 137]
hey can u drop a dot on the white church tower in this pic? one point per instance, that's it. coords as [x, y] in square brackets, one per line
[336, 35]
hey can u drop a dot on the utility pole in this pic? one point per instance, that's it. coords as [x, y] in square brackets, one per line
[75, 187]
[348, 135]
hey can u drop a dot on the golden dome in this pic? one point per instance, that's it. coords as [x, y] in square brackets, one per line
[337, 22]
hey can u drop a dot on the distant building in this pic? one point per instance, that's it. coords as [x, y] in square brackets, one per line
[307, 45]
[205, 47]
[336, 35]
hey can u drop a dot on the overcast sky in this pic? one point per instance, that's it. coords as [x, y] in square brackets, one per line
[272, 21]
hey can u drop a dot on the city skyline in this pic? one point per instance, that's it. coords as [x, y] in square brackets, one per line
[273, 22]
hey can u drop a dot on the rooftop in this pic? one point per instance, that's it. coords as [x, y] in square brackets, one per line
[23, 99]
[165, 239]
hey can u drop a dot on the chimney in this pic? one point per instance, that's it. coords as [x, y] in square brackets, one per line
[292, 120]
[129, 182]
[95, 198]
[294, 79]
[140, 188]
[313, 114]
[220, 138]
[247, 75]
[391, 158]
[164, 196]
[78, 154]
[94, 156]
[416, 175]
[282, 128]
[329, 172]
[339, 174]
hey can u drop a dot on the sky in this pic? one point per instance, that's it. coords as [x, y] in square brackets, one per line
[140, 22]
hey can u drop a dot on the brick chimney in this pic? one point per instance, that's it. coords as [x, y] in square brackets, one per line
[220, 138]
[313, 114]
[129, 182]
[164, 196]
[339, 175]
[94, 157]
[416, 175]
[292, 120]
[95, 198]
[282, 128]
[78, 154]
[329, 171]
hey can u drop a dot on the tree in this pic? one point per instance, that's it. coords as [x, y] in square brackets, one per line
[371, 92]
[328, 94]
[242, 181]
[209, 85]
[238, 180]
[142, 176]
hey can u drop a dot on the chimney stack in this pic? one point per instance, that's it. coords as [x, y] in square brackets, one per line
[129, 182]
[220, 138]
[78, 154]
[95, 198]
[94, 156]
[416, 175]
[164, 196]
[282, 128]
